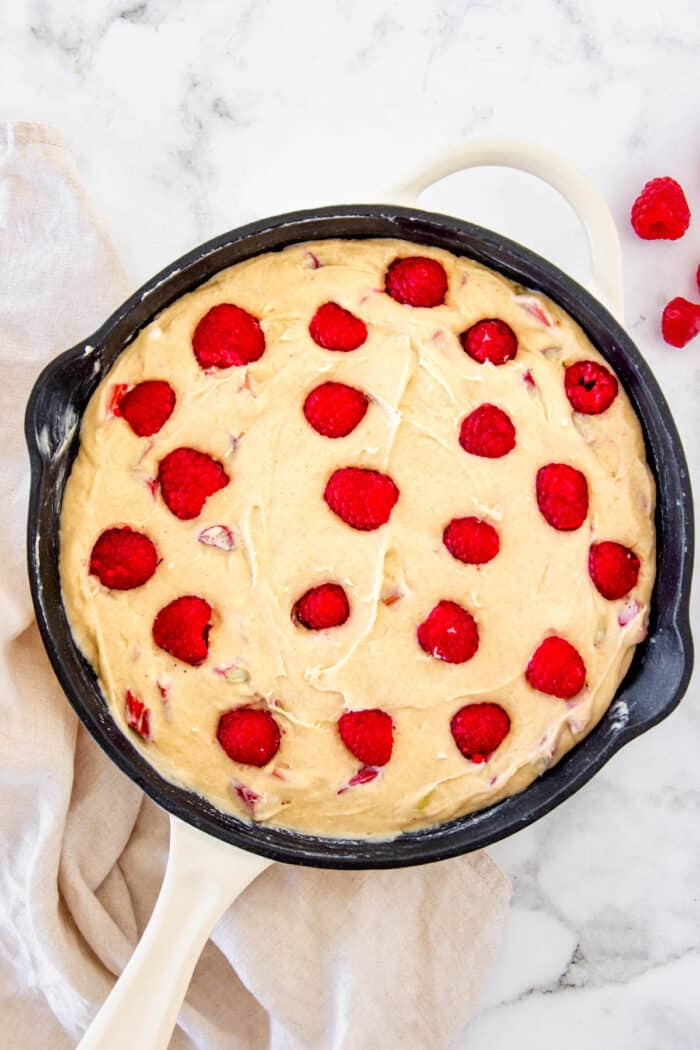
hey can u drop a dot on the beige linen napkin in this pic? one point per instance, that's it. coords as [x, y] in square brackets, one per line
[304, 960]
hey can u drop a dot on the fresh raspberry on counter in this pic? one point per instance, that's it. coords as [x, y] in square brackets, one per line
[187, 478]
[249, 735]
[661, 211]
[334, 328]
[417, 281]
[137, 715]
[471, 540]
[613, 568]
[362, 498]
[562, 496]
[478, 729]
[147, 406]
[487, 431]
[368, 735]
[556, 668]
[123, 558]
[227, 336]
[322, 607]
[449, 633]
[680, 321]
[335, 409]
[490, 340]
[590, 387]
[182, 629]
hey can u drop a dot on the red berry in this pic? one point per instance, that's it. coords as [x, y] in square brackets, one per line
[335, 409]
[117, 391]
[363, 499]
[590, 387]
[417, 281]
[187, 478]
[368, 735]
[182, 629]
[227, 336]
[697, 277]
[490, 340]
[220, 536]
[322, 607]
[137, 715]
[123, 558]
[334, 328]
[680, 321]
[661, 211]
[487, 431]
[478, 729]
[556, 668]
[613, 568]
[562, 496]
[363, 776]
[471, 540]
[249, 736]
[147, 406]
[449, 633]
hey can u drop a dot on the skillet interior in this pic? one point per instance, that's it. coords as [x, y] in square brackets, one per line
[661, 667]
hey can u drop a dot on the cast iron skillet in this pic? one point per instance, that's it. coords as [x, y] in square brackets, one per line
[661, 667]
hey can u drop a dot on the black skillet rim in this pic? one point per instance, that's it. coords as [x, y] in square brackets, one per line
[662, 665]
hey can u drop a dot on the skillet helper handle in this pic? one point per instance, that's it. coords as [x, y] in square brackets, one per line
[593, 213]
[203, 877]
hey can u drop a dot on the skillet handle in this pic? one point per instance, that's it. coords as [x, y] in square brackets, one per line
[592, 211]
[202, 879]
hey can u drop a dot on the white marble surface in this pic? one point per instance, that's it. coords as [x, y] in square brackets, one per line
[187, 118]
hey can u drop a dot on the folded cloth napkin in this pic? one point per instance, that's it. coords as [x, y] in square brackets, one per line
[304, 960]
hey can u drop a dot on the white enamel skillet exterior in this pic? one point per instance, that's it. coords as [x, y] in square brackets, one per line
[205, 875]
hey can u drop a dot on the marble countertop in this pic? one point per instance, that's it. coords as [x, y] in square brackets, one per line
[187, 119]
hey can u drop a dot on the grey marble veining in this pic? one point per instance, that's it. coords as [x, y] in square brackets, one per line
[189, 118]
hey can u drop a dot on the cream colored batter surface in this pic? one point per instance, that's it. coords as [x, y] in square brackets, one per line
[421, 385]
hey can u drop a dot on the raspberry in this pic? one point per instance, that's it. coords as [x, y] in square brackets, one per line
[137, 715]
[123, 558]
[249, 736]
[680, 321]
[147, 406]
[613, 568]
[487, 431]
[187, 478]
[562, 496]
[471, 540]
[478, 729]
[363, 776]
[246, 795]
[661, 211]
[335, 409]
[363, 499]
[322, 607]
[449, 633]
[220, 536]
[590, 387]
[117, 391]
[334, 328]
[417, 281]
[227, 336]
[182, 629]
[556, 668]
[490, 340]
[368, 735]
